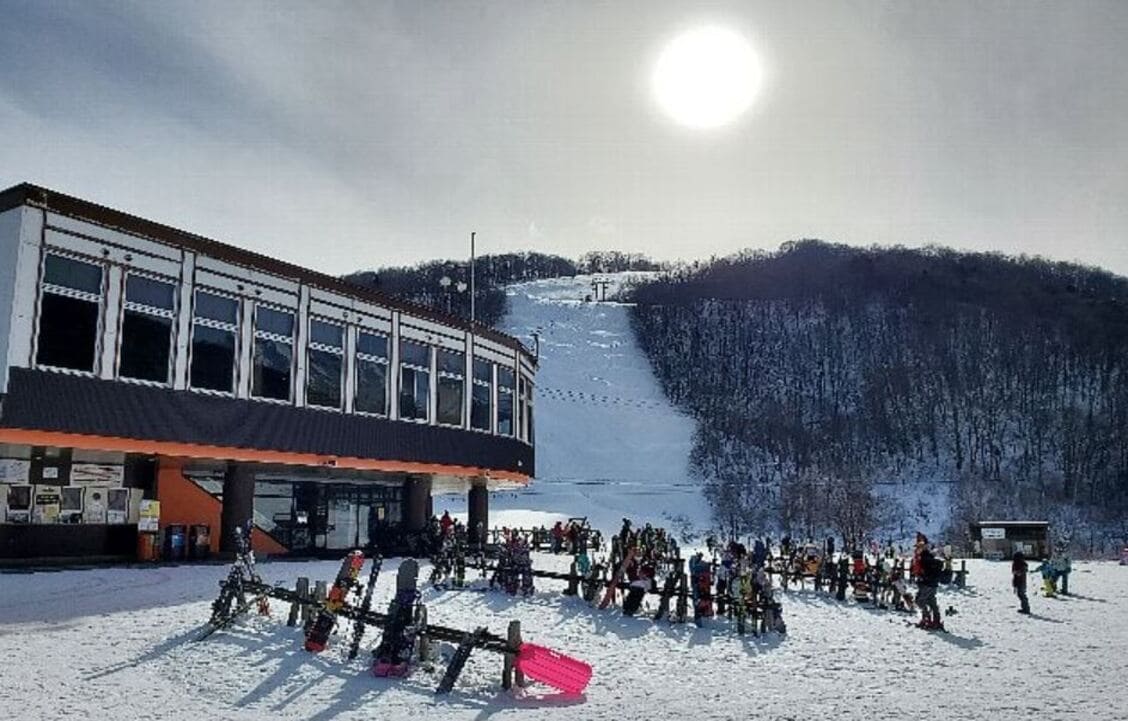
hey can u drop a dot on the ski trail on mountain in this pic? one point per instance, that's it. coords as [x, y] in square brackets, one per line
[608, 443]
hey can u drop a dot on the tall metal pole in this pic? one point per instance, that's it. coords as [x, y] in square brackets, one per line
[472, 234]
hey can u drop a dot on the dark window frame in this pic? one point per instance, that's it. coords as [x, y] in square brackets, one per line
[338, 350]
[170, 314]
[360, 357]
[99, 300]
[217, 325]
[266, 335]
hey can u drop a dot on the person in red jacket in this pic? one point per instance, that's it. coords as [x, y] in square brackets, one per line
[1018, 580]
[446, 523]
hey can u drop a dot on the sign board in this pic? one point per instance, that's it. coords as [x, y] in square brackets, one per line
[994, 534]
[14, 470]
[46, 501]
[97, 474]
[150, 516]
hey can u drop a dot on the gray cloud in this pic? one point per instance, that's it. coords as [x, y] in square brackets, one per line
[344, 135]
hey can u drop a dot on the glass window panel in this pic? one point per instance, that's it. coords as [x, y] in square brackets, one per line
[324, 387]
[372, 387]
[480, 407]
[373, 345]
[327, 334]
[74, 274]
[278, 322]
[415, 394]
[415, 354]
[451, 362]
[213, 359]
[505, 414]
[217, 307]
[68, 333]
[483, 370]
[146, 291]
[146, 342]
[449, 401]
[273, 364]
[505, 377]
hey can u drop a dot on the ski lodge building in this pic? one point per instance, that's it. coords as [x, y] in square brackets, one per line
[142, 363]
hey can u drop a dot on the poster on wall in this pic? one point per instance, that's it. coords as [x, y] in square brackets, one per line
[70, 509]
[14, 470]
[94, 498]
[117, 505]
[46, 508]
[150, 516]
[19, 504]
[994, 534]
[97, 474]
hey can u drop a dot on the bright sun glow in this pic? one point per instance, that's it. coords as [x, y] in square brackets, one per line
[707, 77]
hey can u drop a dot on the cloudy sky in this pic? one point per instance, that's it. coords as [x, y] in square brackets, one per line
[357, 134]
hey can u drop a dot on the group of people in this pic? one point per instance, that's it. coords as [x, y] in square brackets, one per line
[1054, 569]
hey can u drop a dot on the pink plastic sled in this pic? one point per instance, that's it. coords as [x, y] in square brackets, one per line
[550, 667]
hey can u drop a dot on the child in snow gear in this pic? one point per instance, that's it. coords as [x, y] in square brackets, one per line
[1049, 578]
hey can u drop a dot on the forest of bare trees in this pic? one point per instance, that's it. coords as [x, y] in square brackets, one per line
[822, 370]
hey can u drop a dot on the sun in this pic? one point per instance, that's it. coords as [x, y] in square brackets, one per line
[707, 77]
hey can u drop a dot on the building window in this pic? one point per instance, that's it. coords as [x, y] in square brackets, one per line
[215, 328]
[273, 364]
[146, 329]
[451, 395]
[481, 396]
[326, 364]
[505, 394]
[69, 311]
[415, 381]
[371, 374]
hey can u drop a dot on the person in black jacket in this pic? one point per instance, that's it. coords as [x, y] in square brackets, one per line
[1018, 580]
[931, 567]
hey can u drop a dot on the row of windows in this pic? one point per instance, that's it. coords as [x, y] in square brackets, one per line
[69, 334]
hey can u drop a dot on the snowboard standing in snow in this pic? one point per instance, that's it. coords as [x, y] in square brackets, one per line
[392, 655]
[317, 637]
[616, 579]
[669, 588]
[365, 606]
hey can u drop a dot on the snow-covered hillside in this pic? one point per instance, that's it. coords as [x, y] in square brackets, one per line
[609, 444]
[116, 643]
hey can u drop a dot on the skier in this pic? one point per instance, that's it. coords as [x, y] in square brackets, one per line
[446, 524]
[931, 567]
[1018, 580]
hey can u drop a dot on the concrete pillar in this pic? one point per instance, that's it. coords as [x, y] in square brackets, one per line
[478, 508]
[416, 501]
[238, 502]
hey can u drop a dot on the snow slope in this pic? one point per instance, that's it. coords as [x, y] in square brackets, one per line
[115, 643]
[609, 444]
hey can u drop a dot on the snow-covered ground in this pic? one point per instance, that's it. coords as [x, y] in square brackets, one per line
[116, 643]
[609, 444]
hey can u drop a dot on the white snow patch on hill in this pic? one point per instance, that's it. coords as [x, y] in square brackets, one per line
[609, 444]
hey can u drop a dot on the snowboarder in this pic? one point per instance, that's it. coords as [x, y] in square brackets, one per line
[1018, 580]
